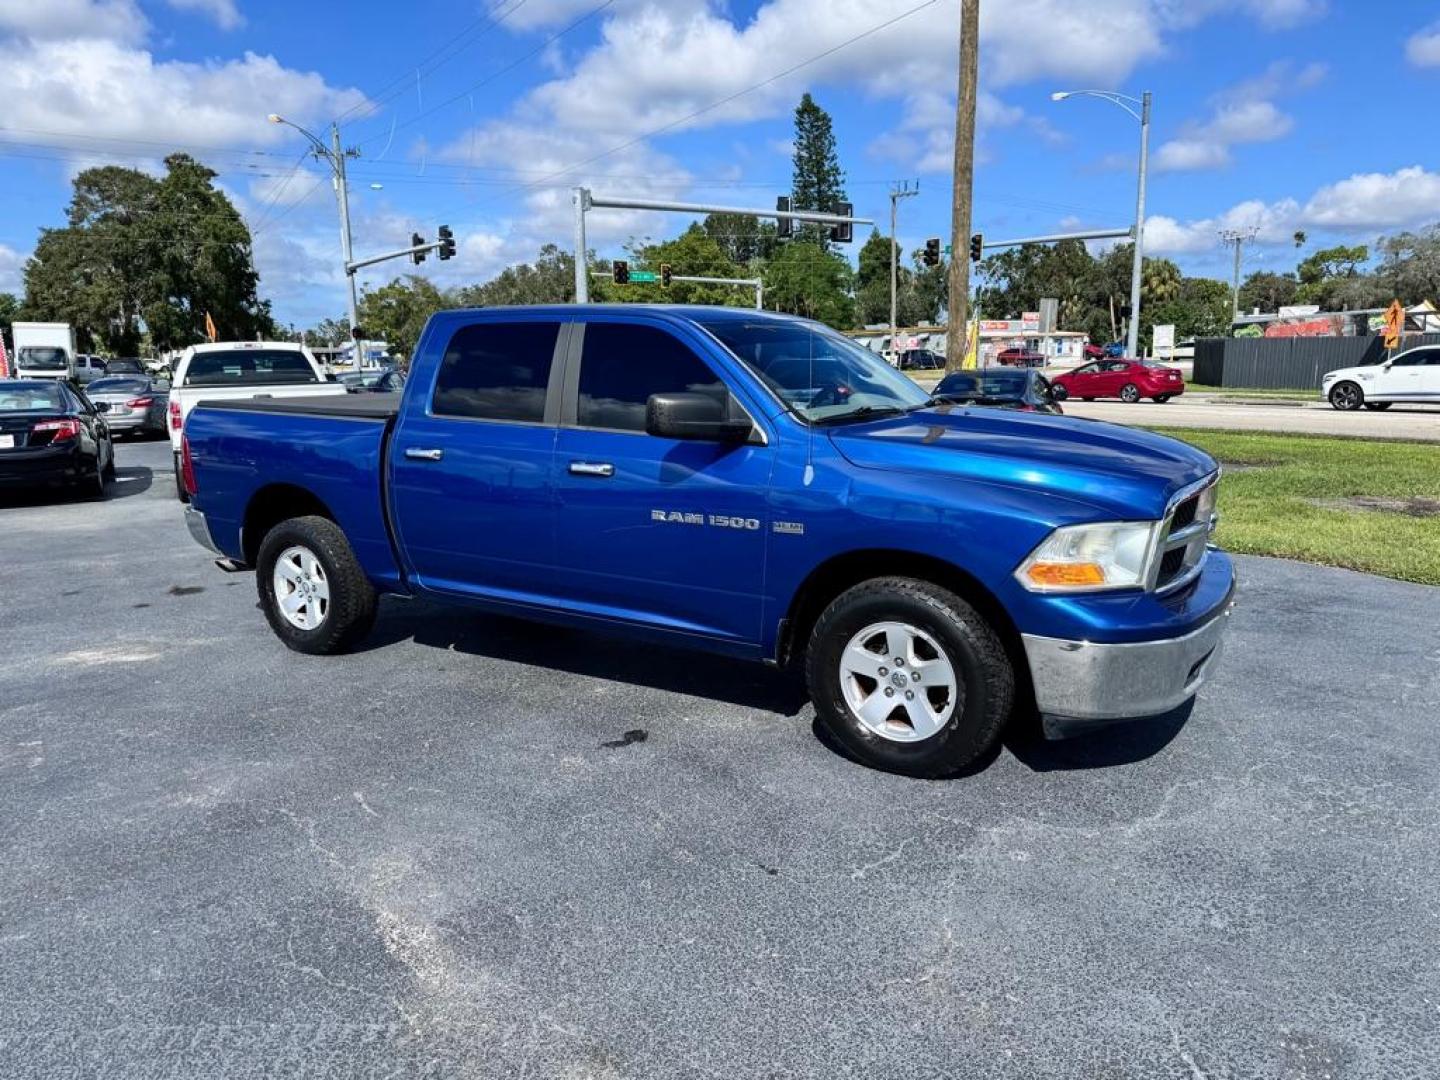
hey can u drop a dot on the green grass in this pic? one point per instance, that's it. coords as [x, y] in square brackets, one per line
[1271, 508]
[1312, 394]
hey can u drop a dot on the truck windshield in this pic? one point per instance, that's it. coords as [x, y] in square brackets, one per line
[822, 376]
[41, 358]
[247, 367]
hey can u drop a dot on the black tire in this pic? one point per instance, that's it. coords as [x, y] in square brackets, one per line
[1378, 406]
[352, 599]
[1160, 399]
[110, 465]
[1129, 393]
[985, 682]
[1059, 391]
[94, 485]
[1087, 399]
[1346, 396]
[180, 492]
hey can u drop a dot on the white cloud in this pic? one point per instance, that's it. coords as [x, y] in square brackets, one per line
[42, 20]
[81, 90]
[1242, 114]
[12, 264]
[224, 12]
[1377, 200]
[1360, 204]
[1423, 47]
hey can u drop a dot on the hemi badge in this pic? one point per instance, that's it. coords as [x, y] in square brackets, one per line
[790, 528]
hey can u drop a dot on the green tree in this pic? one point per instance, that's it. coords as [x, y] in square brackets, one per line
[550, 279]
[1200, 307]
[819, 182]
[1328, 277]
[694, 253]
[9, 310]
[1410, 270]
[805, 279]
[397, 312]
[329, 332]
[744, 238]
[1267, 291]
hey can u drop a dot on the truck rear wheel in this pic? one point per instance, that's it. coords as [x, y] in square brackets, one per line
[314, 593]
[908, 677]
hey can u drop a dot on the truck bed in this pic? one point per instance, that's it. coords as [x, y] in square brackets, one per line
[333, 448]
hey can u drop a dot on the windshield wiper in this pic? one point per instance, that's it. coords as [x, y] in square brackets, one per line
[868, 412]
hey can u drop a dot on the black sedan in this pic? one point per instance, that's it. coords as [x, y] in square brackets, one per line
[50, 433]
[1005, 388]
[134, 404]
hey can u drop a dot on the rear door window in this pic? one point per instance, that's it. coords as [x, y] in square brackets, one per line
[622, 364]
[248, 367]
[497, 371]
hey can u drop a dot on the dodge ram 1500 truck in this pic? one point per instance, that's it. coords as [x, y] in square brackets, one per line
[742, 482]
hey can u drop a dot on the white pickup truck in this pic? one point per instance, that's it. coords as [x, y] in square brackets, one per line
[238, 370]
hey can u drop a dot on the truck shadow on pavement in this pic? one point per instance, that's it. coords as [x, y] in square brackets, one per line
[735, 682]
[582, 652]
[129, 482]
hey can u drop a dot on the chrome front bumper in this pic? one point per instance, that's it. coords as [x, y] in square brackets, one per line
[200, 530]
[1080, 684]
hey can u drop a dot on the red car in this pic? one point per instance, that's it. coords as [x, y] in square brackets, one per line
[1117, 377]
[1020, 358]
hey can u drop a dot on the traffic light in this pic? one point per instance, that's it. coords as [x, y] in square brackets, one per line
[977, 246]
[665, 274]
[784, 227]
[932, 252]
[417, 257]
[621, 271]
[447, 242]
[844, 232]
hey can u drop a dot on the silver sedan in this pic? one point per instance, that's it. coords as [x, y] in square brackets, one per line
[132, 404]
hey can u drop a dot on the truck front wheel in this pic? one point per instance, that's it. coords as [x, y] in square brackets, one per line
[312, 589]
[908, 677]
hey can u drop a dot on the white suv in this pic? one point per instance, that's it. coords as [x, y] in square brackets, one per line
[1413, 375]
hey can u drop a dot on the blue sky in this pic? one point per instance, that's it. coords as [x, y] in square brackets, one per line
[1272, 115]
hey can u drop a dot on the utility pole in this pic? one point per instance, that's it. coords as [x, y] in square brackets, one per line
[964, 180]
[1237, 238]
[897, 192]
[1137, 269]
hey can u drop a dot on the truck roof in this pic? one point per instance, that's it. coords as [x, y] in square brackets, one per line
[212, 346]
[696, 312]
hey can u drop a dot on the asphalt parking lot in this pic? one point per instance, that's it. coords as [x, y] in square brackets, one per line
[485, 848]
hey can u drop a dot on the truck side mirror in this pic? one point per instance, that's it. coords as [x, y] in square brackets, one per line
[701, 417]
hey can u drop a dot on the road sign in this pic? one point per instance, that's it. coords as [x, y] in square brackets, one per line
[1394, 324]
[642, 277]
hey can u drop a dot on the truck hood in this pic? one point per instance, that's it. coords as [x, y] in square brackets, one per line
[1123, 471]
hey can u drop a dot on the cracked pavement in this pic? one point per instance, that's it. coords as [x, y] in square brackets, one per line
[486, 848]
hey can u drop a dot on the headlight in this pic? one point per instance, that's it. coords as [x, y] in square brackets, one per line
[1086, 558]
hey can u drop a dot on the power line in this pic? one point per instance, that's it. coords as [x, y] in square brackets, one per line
[502, 71]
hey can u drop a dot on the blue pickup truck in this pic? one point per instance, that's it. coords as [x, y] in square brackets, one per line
[746, 483]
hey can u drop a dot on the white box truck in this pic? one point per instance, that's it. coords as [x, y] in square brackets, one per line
[44, 350]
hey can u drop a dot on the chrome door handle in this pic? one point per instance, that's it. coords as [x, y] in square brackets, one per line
[415, 453]
[592, 468]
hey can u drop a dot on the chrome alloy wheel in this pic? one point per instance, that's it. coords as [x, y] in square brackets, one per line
[301, 588]
[898, 681]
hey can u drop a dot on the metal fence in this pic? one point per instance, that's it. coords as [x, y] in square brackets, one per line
[1287, 363]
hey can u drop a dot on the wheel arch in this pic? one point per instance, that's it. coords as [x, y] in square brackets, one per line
[271, 505]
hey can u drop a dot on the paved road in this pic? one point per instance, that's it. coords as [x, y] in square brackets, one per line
[1206, 411]
[445, 857]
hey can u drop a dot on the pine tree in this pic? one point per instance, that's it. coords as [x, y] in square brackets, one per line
[819, 181]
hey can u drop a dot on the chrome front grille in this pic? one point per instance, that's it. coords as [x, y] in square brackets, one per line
[1184, 535]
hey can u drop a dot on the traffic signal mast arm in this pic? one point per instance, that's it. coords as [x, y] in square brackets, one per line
[416, 251]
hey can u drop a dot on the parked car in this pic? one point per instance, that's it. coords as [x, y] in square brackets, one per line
[135, 404]
[231, 370]
[746, 483]
[1020, 358]
[387, 381]
[1413, 375]
[125, 365]
[920, 360]
[1028, 391]
[50, 433]
[1128, 380]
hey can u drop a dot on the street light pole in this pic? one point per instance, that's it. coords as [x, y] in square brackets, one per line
[1129, 104]
[335, 156]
